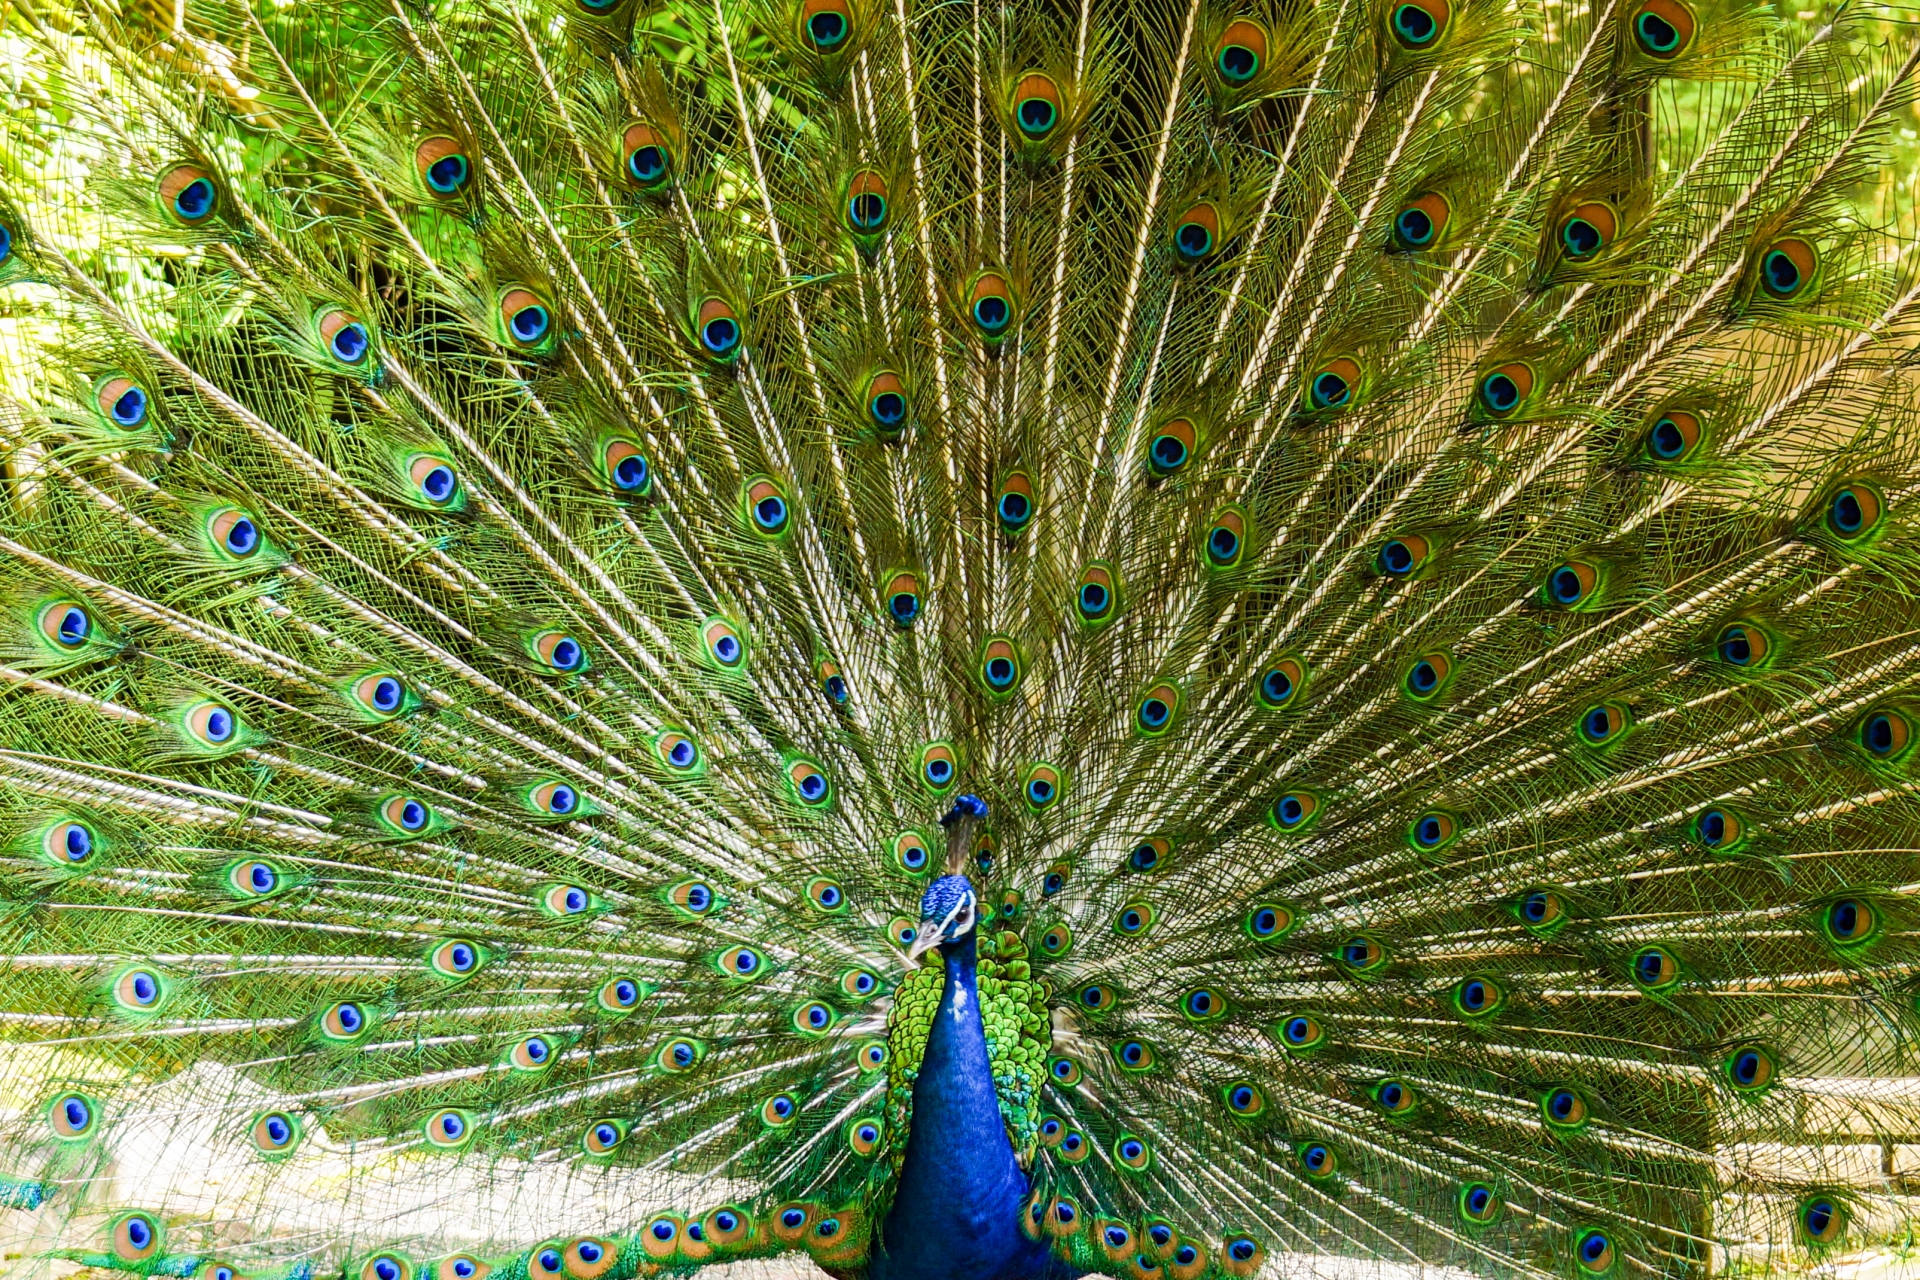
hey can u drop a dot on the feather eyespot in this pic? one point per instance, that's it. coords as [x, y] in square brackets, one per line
[1542, 911]
[1135, 1055]
[769, 513]
[1604, 723]
[1593, 1250]
[212, 724]
[680, 1054]
[1225, 540]
[1074, 1147]
[1570, 585]
[1203, 1004]
[1395, 1097]
[990, 304]
[383, 695]
[910, 852]
[558, 653]
[1363, 955]
[1157, 710]
[1662, 29]
[863, 1136]
[1135, 919]
[1673, 437]
[141, 991]
[1056, 941]
[72, 1116]
[1427, 676]
[1097, 997]
[1720, 829]
[274, 1133]
[1172, 447]
[448, 1129]
[456, 958]
[1015, 505]
[70, 843]
[526, 319]
[677, 751]
[135, 1237]
[867, 206]
[1822, 1219]
[1743, 645]
[601, 1137]
[188, 195]
[1421, 221]
[1590, 227]
[123, 402]
[234, 533]
[1037, 106]
[1098, 597]
[626, 467]
[434, 480]
[253, 878]
[1063, 1218]
[1417, 25]
[744, 963]
[1056, 879]
[621, 995]
[1245, 1099]
[718, 327]
[1479, 1204]
[1787, 266]
[1749, 1068]
[563, 900]
[827, 895]
[1886, 734]
[344, 337]
[1318, 1161]
[1000, 666]
[1477, 997]
[1240, 52]
[1149, 855]
[1334, 385]
[1402, 556]
[1503, 389]
[1064, 1071]
[1043, 787]
[871, 1056]
[779, 1111]
[461, 1266]
[535, 1053]
[1302, 1032]
[887, 403]
[1655, 969]
[825, 25]
[1433, 831]
[1853, 511]
[556, 799]
[724, 644]
[66, 623]
[1269, 922]
[901, 592]
[1294, 813]
[344, 1021]
[386, 1266]
[406, 815]
[1241, 1255]
[1129, 1153]
[1196, 235]
[939, 767]
[646, 159]
[902, 931]
[1849, 922]
[442, 167]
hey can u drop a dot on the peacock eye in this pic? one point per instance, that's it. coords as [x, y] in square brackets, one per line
[211, 724]
[1225, 539]
[69, 843]
[187, 194]
[867, 209]
[1418, 24]
[72, 1116]
[234, 532]
[1240, 52]
[253, 879]
[442, 166]
[525, 318]
[718, 326]
[123, 402]
[434, 480]
[647, 161]
[825, 24]
[345, 337]
[990, 304]
[1673, 436]
[1036, 106]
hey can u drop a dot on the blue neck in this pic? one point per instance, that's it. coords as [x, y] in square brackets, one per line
[956, 1214]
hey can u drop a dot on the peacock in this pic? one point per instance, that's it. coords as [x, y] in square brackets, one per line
[962, 641]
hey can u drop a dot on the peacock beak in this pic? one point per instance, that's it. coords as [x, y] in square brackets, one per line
[956, 924]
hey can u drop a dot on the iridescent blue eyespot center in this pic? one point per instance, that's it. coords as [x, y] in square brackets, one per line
[647, 164]
[349, 343]
[195, 200]
[447, 174]
[130, 410]
[992, 313]
[1656, 33]
[242, 536]
[1500, 392]
[1414, 225]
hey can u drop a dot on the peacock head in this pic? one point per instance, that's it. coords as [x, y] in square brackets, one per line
[949, 909]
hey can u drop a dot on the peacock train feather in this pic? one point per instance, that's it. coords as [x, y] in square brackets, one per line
[964, 641]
